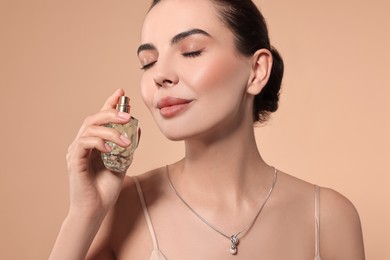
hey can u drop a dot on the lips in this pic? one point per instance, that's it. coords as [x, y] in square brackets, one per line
[172, 106]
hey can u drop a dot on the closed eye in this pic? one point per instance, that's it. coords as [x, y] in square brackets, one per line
[147, 66]
[192, 54]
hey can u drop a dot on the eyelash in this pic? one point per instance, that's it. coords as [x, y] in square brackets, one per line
[187, 54]
[147, 66]
[192, 54]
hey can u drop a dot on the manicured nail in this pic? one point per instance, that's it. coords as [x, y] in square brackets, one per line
[125, 140]
[124, 115]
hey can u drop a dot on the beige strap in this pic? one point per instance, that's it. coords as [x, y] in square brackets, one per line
[146, 213]
[317, 223]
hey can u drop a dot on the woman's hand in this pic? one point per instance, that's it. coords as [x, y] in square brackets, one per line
[93, 188]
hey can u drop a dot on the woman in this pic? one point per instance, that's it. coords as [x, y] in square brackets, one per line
[210, 73]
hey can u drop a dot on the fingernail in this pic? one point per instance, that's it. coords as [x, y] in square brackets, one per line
[125, 140]
[124, 115]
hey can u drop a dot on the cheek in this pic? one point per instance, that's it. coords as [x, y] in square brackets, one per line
[219, 74]
[147, 91]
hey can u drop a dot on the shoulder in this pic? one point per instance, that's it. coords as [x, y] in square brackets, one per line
[341, 233]
[336, 206]
[149, 181]
[340, 228]
[293, 190]
[128, 202]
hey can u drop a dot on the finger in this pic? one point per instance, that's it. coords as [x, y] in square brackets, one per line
[108, 134]
[102, 118]
[112, 101]
[81, 150]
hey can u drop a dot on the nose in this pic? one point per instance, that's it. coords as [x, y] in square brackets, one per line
[165, 76]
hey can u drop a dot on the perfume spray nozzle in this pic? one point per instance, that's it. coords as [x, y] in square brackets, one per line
[123, 104]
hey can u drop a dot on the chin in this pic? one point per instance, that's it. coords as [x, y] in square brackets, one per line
[176, 129]
[188, 133]
[180, 133]
[176, 135]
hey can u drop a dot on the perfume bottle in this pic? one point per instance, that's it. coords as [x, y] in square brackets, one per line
[119, 159]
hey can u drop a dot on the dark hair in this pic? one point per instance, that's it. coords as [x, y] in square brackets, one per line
[246, 22]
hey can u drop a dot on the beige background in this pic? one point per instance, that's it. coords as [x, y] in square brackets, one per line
[59, 60]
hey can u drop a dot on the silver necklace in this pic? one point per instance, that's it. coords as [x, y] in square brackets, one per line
[233, 238]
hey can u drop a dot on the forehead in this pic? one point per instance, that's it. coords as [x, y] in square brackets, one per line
[170, 17]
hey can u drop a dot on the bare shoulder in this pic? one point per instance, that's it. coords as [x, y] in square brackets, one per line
[148, 182]
[341, 233]
[293, 189]
[151, 180]
[336, 207]
[340, 228]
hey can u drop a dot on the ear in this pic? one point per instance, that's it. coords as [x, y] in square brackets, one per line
[261, 70]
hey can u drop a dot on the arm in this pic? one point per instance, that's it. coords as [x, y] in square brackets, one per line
[93, 189]
[341, 233]
[75, 237]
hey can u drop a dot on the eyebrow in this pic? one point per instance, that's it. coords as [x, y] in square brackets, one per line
[176, 39]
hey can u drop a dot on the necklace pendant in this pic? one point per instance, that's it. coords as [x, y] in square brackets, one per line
[233, 247]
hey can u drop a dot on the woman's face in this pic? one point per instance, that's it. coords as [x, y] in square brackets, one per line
[194, 80]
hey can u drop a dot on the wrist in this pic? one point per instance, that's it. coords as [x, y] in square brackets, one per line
[84, 217]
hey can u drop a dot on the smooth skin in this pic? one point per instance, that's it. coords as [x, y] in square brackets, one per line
[222, 176]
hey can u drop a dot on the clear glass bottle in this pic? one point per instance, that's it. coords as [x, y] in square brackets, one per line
[119, 159]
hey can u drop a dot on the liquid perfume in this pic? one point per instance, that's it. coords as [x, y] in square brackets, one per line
[119, 159]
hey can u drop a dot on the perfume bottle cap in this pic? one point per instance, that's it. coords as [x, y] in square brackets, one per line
[123, 104]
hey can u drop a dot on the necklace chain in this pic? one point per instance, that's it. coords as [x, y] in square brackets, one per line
[234, 238]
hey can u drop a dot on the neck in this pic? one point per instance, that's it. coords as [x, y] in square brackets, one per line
[228, 166]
